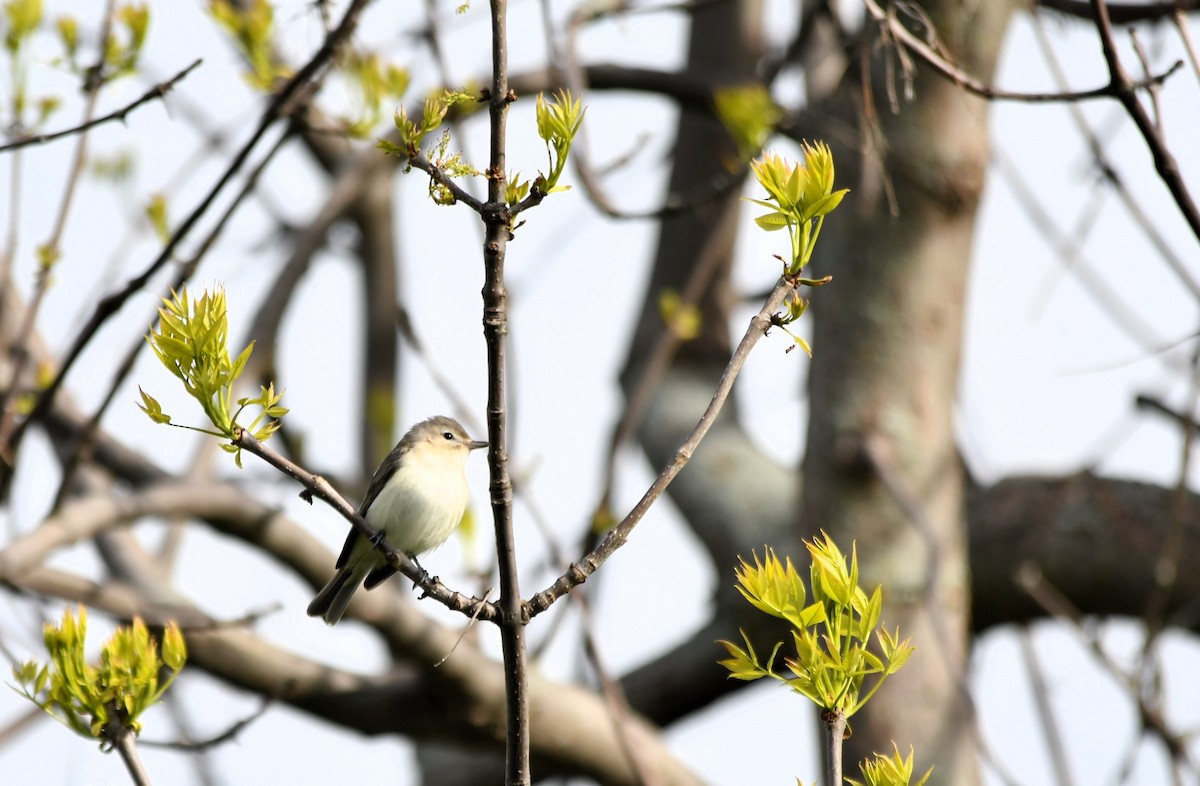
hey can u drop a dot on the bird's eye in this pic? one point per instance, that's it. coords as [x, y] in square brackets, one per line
[449, 435]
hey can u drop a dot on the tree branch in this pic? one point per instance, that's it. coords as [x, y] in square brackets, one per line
[1125, 89]
[946, 68]
[158, 91]
[617, 537]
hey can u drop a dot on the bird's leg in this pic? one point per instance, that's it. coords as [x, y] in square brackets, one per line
[424, 572]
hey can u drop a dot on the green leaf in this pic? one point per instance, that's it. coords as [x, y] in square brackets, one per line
[174, 648]
[749, 114]
[23, 17]
[239, 365]
[773, 221]
[68, 34]
[151, 407]
[156, 211]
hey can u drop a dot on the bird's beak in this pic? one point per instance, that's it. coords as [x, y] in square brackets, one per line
[476, 445]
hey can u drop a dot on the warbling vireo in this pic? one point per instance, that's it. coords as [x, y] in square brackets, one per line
[416, 498]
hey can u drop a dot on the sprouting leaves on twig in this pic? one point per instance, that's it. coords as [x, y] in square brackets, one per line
[799, 196]
[191, 341]
[558, 122]
[831, 661]
[892, 770]
[100, 700]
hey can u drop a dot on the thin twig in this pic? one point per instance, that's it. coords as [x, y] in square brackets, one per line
[951, 71]
[466, 629]
[158, 91]
[1124, 89]
[1108, 170]
[1030, 578]
[1045, 711]
[1123, 13]
[578, 572]
[1154, 91]
[1181, 25]
[202, 746]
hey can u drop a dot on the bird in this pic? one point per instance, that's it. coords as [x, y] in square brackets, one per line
[416, 499]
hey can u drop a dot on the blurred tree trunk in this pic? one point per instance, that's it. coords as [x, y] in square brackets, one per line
[881, 467]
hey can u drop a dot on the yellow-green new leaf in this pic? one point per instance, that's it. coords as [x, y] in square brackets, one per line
[742, 664]
[772, 222]
[23, 17]
[174, 649]
[823, 205]
[772, 587]
[156, 211]
[152, 408]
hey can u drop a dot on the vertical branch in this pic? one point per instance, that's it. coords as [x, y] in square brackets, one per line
[495, 329]
[833, 731]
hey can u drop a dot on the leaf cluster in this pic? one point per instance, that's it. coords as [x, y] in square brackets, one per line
[799, 196]
[375, 81]
[98, 701]
[748, 114]
[122, 52]
[831, 633]
[251, 24]
[21, 19]
[684, 319]
[412, 133]
[558, 122]
[191, 340]
[889, 770]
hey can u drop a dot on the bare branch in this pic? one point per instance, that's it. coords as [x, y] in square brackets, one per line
[616, 537]
[1125, 90]
[158, 91]
[951, 71]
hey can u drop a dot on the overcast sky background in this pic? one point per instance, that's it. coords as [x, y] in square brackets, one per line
[1048, 381]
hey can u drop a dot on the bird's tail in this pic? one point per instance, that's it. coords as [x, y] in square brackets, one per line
[330, 603]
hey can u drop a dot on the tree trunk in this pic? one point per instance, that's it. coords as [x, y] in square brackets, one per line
[881, 467]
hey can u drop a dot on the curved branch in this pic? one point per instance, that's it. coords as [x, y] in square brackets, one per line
[579, 572]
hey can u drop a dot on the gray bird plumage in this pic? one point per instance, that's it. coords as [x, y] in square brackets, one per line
[416, 498]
